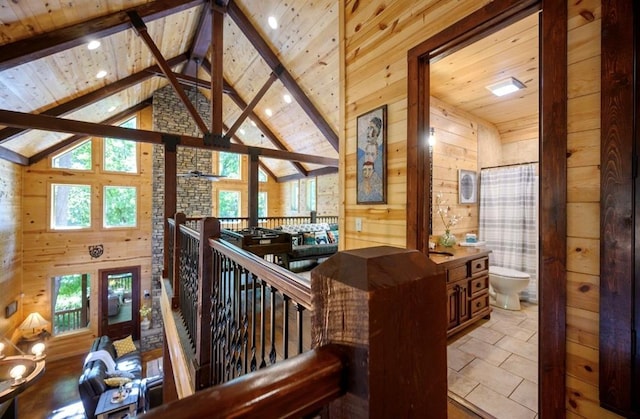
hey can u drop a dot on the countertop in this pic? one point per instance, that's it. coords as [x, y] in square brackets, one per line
[458, 253]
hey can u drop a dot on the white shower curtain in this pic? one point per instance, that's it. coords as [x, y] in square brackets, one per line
[509, 220]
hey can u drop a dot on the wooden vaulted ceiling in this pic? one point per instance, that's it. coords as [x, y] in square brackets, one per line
[47, 73]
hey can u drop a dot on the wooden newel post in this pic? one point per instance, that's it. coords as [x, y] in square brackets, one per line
[209, 227]
[387, 307]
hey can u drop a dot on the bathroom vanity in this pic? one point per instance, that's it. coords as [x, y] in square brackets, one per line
[467, 276]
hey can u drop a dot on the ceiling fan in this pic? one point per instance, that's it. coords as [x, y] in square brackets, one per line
[197, 174]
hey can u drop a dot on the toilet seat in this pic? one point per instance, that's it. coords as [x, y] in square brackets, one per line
[508, 272]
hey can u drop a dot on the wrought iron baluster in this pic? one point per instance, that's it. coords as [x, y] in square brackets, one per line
[285, 326]
[299, 319]
[263, 338]
[254, 319]
[272, 352]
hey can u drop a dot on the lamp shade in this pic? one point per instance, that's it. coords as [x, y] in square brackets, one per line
[33, 321]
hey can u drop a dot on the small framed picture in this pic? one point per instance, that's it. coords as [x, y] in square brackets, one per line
[11, 309]
[467, 187]
[371, 183]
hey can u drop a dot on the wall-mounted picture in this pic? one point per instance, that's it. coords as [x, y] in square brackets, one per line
[467, 186]
[372, 157]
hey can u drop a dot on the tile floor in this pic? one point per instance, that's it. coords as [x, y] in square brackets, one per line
[494, 366]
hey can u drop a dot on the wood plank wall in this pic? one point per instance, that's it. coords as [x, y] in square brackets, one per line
[50, 253]
[11, 182]
[376, 37]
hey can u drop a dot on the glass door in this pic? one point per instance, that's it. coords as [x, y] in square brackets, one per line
[120, 302]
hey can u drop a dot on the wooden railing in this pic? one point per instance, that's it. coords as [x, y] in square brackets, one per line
[377, 327]
[67, 320]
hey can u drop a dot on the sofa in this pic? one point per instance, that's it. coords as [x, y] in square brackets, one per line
[95, 371]
[310, 241]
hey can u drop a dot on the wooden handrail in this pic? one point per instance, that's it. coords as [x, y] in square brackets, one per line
[280, 278]
[291, 388]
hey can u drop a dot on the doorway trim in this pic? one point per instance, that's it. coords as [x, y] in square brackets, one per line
[553, 164]
[135, 298]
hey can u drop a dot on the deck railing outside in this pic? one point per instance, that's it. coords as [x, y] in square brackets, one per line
[67, 320]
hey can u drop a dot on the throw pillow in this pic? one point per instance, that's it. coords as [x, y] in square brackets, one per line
[116, 381]
[321, 237]
[333, 236]
[118, 373]
[296, 239]
[124, 346]
[309, 238]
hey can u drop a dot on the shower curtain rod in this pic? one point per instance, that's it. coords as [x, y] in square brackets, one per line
[508, 165]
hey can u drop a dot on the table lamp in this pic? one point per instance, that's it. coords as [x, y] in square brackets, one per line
[32, 322]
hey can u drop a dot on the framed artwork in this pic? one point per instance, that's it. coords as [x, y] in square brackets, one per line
[371, 182]
[11, 309]
[467, 187]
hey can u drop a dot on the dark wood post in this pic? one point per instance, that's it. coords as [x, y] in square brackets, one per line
[180, 219]
[209, 227]
[387, 307]
[314, 216]
[253, 189]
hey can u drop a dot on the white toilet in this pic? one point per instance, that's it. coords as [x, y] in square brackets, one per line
[504, 286]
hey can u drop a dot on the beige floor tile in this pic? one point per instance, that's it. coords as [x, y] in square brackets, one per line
[526, 394]
[521, 367]
[508, 315]
[519, 347]
[491, 376]
[486, 334]
[457, 359]
[459, 384]
[531, 324]
[498, 405]
[457, 340]
[483, 350]
[534, 339]
[514, 330]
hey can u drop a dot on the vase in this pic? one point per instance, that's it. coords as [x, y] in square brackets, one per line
[447, 239]
[145, 324]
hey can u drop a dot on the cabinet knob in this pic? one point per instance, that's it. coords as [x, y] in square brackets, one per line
[478, 285]
[478, 304]
[478, 265]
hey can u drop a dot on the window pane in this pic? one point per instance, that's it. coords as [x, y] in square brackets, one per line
[71, 206]
[311, 194]
[229, 164]
[77, 158]
[120, 206]
[262, 176]
[262, 204]
[294, 195]
[70, 297]
[120, 155]
[228, 204]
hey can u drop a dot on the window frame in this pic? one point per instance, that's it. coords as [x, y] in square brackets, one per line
[104, 207]
[68, 149]
[103, 153]
[220, 165]
[236, 192]
[51, 207]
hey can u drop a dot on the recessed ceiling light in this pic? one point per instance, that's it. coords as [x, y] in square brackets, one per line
[273, 23]
[241, 131]
[111, 109]
[93, 44]
[268, 112]
[505, 87]
[287, 98]
[252, 123]
[101, 74]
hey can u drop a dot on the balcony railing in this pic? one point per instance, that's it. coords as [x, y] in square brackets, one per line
[366, 335]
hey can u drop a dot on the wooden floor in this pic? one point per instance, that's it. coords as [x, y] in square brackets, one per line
[58, 389]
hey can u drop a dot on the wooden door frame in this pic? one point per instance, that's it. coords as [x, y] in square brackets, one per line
[619, 207]
[135, 297]
[553, 168]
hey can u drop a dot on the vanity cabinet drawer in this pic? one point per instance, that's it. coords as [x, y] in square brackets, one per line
[479, 303]
[479, 265]
[479, 285]
[456, 273]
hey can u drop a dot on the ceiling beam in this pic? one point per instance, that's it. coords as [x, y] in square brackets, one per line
[200, 43]
[251, 106]
[120, 116]
[52, 42]
[8, 133]
[317, 172]
[217, 49]
[240, 103]
[141, 30]
[50, 123]
[12, 156]
[285, 77]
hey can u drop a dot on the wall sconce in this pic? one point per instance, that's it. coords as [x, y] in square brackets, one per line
[38, 351]
[432, 137]
[16, 373]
